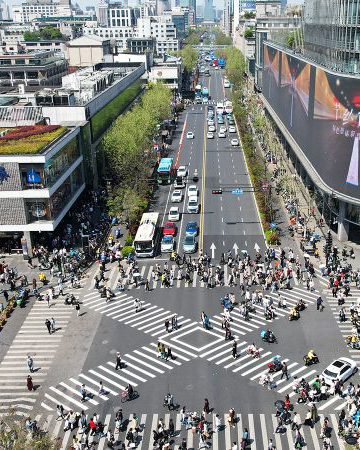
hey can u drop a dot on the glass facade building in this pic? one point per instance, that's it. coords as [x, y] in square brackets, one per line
[332, 33]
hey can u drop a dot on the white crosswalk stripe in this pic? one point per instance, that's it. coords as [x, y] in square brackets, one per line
[32, 339]
[260, 427]
[138, 367]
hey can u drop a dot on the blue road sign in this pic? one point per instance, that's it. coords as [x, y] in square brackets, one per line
[237, 191]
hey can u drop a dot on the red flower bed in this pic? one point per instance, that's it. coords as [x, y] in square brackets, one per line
[27, 131]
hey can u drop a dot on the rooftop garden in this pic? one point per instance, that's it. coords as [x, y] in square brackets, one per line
[28, 139]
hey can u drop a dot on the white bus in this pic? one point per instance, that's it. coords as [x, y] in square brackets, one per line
[147, 237]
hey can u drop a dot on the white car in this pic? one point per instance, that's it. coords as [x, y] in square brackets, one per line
[189, 135]
[232, 129]
[340, 369]
[210, 135]
[193, 205]
[211, 122]
[221, 134]
[167, 244]
[226, 83]
[193, 191]
[212, 128]
[176, 196]
[223, 129]
[234, 142]
[181, 172]
[174, 214]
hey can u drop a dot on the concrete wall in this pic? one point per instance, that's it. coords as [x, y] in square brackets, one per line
[85, 56]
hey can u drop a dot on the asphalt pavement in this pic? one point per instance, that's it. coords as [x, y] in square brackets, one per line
[84, 348]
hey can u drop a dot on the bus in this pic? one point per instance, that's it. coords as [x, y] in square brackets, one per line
[147, 237]
[219, 108]
[166, 171]
[228, 107]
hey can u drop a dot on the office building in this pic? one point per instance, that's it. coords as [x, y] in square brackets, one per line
[27, 11]
[162, 29]
[227, 17]
[331, 33]
[119, 16]
[209, 11]
[102, 14]
[162, 6]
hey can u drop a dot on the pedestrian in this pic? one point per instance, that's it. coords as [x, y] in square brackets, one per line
[296, 422]
[30, 363]
[167, 325]
[30, 262]
[218, 424]
[77, 308]
[118, 361]
[271, 445]
[6, 296]
[147, 285]
[83, 393]
[47, 299]
[284, 371]
[29, 383]
[60, 412]
[48, 325]
[234, 350]
[206, 408]
[101, 389]
[52, 324]
[319, 304]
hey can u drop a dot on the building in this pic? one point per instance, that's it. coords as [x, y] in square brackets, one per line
[162, 6]
[331, 33]
[42, 68]
[169, 73]
[43, 178]
[209, 11]
[119, 16]
[162, 29]
[70, 26]
[119, 34]
[227, 17]
[141, 45]
[88, 50]
[313, 102]
[58, 46]
[244, 37]
[268, 8]
[102, 14]
[31, 9]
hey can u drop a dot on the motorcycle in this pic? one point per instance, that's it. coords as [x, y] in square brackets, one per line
[353, 342]
[310, 361]
[268, 336]
[275, 366]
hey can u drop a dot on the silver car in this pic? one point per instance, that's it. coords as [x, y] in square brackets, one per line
[189, 244]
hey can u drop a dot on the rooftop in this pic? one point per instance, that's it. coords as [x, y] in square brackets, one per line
[29, 139]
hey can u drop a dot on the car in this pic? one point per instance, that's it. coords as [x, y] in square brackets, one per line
[174, 214]
[234, 142]
[176, 196]
[341, 369]
[221, 134]
[192, 190]
[232, 129]
[220, 120]
[189, 135]
[191, 229]
[189, 244]
[226, 83]
[210, 135]
[182, 171]
[210, 122]
[223, 129]
[179, 183]
[169, 229]
[231, 121]
[212, 128]
[193, 205]
[211, 108]
[167, 244]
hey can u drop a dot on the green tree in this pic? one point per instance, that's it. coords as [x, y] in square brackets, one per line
[189, 57]
[127, 205]
[249, 33]
[46, 33]
[221, 38]
[14, 435]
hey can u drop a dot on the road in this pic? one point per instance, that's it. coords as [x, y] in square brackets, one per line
[83, 349]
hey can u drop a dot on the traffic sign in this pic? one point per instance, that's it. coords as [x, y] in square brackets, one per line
[237, 191]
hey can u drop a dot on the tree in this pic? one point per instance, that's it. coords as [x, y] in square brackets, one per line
[249, 33]
[189, 57]
[221, 38]
[14, 435]
[46, 33]
[127, 205]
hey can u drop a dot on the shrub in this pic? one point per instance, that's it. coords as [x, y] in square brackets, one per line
[127, 250]
[129, 240]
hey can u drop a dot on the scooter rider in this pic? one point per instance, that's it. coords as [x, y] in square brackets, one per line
[311, 356]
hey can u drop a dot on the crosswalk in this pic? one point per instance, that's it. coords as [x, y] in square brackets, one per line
[260, 429]
[32, 339]
[138, 367]
[345, 327]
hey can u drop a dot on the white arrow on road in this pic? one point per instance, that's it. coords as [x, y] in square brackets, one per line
[236, 248]
[212, 248]
[256, 247]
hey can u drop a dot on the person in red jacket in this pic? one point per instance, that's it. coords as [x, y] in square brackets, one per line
[92, 426]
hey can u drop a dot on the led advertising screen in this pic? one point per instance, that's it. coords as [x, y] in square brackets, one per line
[321, 110]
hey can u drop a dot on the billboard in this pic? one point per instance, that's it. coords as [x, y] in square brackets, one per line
[321, 110]
[247, 5]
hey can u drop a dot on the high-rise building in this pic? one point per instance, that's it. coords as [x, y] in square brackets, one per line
[227, 16]
[102, 14]
[209, 10]
[331, 33]
[161, 6]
